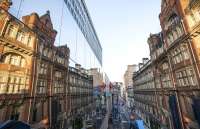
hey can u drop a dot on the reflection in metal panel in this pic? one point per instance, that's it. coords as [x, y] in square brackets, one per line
[81, 15]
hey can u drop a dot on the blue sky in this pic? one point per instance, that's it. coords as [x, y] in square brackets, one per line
[123, 27]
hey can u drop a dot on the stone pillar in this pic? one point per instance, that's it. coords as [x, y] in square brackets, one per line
[3, 114]
[45, 110]
[23, 110]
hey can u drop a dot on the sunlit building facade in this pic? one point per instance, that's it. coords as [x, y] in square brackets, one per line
[128, 83]
[33, 72]
[128, 75]
[175, 65]
[16, 56]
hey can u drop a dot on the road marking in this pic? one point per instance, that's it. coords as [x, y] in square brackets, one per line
[124, 121]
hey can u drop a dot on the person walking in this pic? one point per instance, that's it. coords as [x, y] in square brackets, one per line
[132, 122]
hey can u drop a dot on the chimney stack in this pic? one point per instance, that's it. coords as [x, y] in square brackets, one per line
[140, 65]
[145, 60]
[78, 66]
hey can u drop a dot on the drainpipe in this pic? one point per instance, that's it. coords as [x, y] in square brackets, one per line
[34, 84]
[189, 44]
[176, 92]
[50, 92]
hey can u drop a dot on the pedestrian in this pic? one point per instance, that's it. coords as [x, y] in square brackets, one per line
[132, 119]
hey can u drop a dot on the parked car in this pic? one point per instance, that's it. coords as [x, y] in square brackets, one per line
[89, 124]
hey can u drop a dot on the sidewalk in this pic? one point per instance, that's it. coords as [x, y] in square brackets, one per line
[105, 120]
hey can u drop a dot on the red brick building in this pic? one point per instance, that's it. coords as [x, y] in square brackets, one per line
[33, 72]
[174, 95]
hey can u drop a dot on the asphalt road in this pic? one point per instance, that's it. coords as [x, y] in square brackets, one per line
[123, 121]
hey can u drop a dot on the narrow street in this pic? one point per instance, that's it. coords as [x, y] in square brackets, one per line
[100, 64]
[123, 118]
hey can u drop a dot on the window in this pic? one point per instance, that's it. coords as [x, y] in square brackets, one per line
[185, 77]
[43, 68]
[10, 84]
[41, 86]
[195, 16]
[179, 30]
[157, 81]
[15, 59]
[21, 36]
[171, 38]
[45, 52]
[15, 85]
[11, 31]
[23, 62]
[191, 77]
[2, 84]
[180, 54]
[175, 34]
[166, 80]
[185, 52]
[165, 66]
[29, 41]
[58, 87]
[58, 83]
[41, 46]
[58, 74]
[173, 19]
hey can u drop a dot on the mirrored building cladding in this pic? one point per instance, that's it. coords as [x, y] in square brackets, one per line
[81, 15]
[81, 95]
[37, 86]
[169, 97]
[74, 28]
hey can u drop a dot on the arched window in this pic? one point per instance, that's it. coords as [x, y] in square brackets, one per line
[171, 38]
[174, 19]
[14, 59]
[179, 30]
[175, 34]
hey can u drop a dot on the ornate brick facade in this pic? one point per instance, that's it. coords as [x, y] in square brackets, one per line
[33, 71]
[175, 90]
